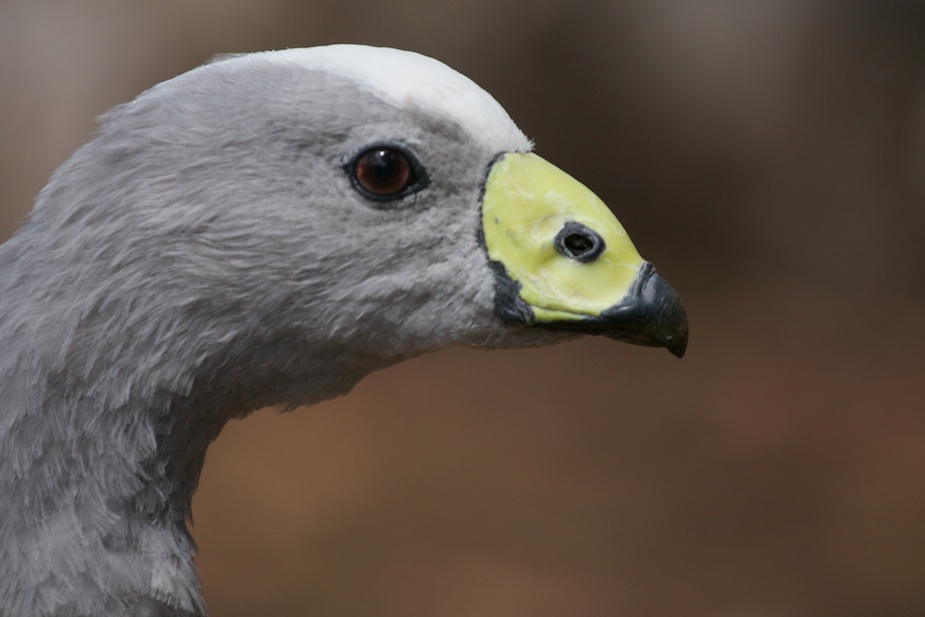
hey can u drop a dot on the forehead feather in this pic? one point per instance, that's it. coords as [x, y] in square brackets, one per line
[413, 81]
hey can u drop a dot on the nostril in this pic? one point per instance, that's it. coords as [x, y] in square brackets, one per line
[578, 242]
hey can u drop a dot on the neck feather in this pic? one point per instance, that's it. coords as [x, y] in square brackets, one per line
[106, 410]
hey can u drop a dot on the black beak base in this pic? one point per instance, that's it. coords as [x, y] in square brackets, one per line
[651, 314]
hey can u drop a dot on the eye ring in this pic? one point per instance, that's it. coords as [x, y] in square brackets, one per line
[578, 242]
[386, 172]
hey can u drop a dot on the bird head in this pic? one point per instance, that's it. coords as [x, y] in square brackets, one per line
[367, 201]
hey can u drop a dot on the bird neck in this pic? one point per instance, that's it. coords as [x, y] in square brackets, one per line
[96, 495]
[103, 443]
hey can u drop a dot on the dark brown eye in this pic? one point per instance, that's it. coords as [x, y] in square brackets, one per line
[386, 172]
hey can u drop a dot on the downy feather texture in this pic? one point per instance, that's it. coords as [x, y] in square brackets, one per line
[206, 255]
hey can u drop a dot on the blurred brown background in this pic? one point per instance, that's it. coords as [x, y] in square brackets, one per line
[769, 157]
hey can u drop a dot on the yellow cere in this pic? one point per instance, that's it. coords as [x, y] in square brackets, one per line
[527, 202]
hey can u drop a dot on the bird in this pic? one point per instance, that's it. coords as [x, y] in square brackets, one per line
[264, 230]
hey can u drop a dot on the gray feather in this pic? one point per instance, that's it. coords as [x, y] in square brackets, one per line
[204, 256]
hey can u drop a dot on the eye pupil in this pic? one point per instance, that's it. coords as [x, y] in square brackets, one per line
[383, 172]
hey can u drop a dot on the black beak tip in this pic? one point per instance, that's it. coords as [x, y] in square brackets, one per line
[652, 315]
[677, 345]
[670, 324]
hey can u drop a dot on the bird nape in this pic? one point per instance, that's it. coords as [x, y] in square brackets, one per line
[266, 230]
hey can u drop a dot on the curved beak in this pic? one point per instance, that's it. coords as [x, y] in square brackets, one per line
[651, 315]
[563, 261]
